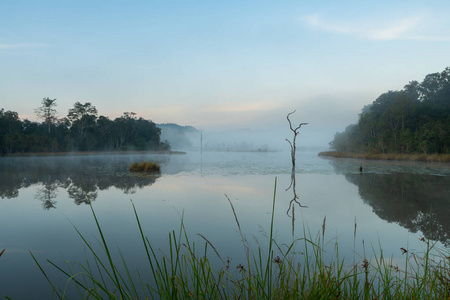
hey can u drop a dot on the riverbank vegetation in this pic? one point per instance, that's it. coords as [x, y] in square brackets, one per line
[145, 166]
[300, 270]
[414, 120]
[81, 130]
[390, 156]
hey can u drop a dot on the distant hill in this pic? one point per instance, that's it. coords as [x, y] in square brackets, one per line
[180, 137]
[176, 127]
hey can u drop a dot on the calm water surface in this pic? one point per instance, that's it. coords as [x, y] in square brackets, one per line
[394, 204]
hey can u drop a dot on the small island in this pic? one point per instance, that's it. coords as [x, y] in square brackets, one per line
[409, 124]
[145, 167]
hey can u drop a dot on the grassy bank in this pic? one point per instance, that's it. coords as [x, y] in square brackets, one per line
[390, 156]
[271, 271]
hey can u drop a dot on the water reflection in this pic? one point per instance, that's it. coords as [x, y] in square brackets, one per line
[295, 200]
[47, 193]
[417, 202]
[81, 177]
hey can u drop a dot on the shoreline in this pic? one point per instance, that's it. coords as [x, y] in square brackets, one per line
[442, 158]
[79, 153]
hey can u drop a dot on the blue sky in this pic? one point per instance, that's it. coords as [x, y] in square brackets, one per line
[219, 65]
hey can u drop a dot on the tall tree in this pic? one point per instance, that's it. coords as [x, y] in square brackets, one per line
[80, 110]
[82, 117]
[125, 128]
[10, 131]
[46, 111]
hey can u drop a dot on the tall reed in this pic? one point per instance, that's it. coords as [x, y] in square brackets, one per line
[296, 271]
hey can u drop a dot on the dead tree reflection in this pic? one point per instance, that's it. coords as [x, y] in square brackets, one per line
[295, 200]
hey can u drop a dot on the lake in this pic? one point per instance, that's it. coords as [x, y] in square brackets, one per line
[394, 205]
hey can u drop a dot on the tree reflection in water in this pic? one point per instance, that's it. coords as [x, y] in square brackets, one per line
[82, 178]
[82, 193]
[417, 202]
[46, 194]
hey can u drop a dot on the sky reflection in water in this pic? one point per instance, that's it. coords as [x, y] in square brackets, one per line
[42, 196]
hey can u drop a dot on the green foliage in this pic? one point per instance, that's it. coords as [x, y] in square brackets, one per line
[348, 140]
[81, 130]
[413, 120]
[47, 112]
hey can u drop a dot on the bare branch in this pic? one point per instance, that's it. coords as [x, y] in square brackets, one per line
[299, 127]
[287, 117]
[292, 148]
[295, 131]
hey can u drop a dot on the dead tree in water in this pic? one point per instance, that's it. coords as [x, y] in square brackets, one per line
[295, 131]
[293, 202]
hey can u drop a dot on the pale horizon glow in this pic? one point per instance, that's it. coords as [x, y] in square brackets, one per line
[219, 66]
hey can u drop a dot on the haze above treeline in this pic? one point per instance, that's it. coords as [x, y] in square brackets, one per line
[415, 119]
[83, 129]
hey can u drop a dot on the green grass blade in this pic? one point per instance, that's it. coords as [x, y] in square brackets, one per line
[46, 277]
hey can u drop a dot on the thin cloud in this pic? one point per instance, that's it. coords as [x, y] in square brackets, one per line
[19, 46]
[397, 30]
[336, 27]
[401, 29]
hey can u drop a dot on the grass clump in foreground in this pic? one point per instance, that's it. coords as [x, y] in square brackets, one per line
[272, 272]
[145, 166]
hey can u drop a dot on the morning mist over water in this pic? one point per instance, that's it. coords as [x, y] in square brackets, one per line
[202, 90]
[244, 139]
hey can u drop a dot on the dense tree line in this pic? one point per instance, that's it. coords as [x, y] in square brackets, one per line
[415, 119]
[81, 130]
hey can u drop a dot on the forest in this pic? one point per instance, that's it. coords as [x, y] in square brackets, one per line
[415, 119]
[81, 130]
